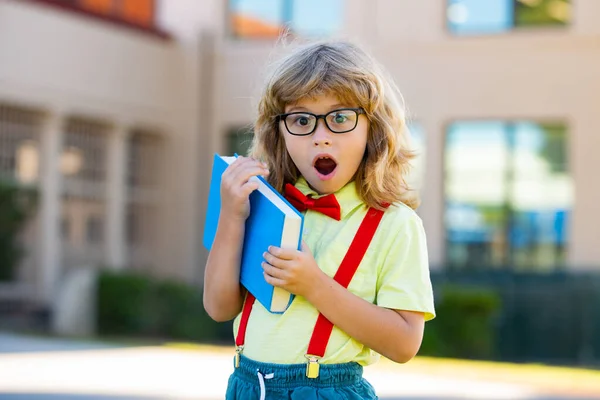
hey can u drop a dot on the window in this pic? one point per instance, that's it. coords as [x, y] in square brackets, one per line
[94, 229]
[145, 163]
[19, 145]
[83, 165]
[143, 233]
[467, 17]
[268, 18]
[508, 194]
[65, 228]
[84, 154]
[144, 159]
[239, 141]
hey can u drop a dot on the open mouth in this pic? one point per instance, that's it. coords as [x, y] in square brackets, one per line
[325, 165]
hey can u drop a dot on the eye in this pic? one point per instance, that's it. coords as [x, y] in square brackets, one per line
[340, 117]
[301, 120]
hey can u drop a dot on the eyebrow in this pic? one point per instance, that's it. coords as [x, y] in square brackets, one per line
[304, 109]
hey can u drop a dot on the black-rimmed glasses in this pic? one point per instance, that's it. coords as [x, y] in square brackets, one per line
[304, 123]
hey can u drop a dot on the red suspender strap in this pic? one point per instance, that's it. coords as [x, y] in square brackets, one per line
[241, 335]
[358, 248]
[344, 274]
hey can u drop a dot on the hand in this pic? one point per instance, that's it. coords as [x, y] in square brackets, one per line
[236, 186]
[293, 270]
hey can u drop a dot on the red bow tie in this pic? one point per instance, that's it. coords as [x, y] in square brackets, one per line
[327, 205]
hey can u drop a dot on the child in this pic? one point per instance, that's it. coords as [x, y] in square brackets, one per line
[331, 136]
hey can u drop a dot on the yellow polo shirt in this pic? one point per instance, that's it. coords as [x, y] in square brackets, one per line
[394, 273]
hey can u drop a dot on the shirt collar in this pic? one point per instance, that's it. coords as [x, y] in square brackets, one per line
[347, 196]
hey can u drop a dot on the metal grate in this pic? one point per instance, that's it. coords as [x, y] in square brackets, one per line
[145, 156]
[19, 145]
[83, 165]
[20, 131]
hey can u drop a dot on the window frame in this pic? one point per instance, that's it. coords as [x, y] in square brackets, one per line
[513, 30]
[285, 24]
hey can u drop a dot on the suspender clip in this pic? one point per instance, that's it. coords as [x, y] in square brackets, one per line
[236, 358]
[312, 366]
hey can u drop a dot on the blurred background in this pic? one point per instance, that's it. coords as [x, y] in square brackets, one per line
[111, 111]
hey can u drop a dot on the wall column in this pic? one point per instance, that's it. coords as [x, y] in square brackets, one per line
[432, 191]
[50, 205]
[116, 206]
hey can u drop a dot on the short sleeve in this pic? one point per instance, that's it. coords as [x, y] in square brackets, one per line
[404, 281]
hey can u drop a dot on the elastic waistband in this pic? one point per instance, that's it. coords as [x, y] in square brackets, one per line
[294, 375]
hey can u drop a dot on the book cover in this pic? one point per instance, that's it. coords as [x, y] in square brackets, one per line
[273, 221]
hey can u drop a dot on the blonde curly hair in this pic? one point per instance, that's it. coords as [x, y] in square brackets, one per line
[346, 71]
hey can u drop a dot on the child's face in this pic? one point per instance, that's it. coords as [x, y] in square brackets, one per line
[327, 160]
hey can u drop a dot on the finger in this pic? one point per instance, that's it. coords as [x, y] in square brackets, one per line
[283, 254]
[273, 260]
[243, 159]
[248, 188]
[261, 163]
[235, 165]
[234, 183]
[242, 175]
[239, 164]
[272, 270]
[274, 281]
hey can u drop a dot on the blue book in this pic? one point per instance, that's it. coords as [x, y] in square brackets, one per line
[273, 221]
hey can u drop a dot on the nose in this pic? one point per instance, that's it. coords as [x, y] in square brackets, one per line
[321, 136]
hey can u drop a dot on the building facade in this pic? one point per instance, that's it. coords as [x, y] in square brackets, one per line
[113, 111]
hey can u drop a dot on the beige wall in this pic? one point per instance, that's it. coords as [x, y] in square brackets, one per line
[83, 65]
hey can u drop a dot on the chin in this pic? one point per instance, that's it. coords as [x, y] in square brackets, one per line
[324, 187]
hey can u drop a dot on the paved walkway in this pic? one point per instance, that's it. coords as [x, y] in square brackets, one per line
[48, 369]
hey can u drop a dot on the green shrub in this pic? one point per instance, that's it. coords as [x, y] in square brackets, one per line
[137, 305]
[17, 204]
[123, 302]
[464, 326]
[182, 312]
